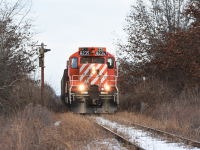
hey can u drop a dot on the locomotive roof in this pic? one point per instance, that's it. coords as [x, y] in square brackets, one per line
[92, 52]
[92, 48]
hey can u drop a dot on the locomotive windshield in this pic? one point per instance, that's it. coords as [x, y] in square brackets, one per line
[98, 60]
[86, 60]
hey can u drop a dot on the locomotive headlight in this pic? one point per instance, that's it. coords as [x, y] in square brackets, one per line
[107, 87]
[81, 87]
[93, 68]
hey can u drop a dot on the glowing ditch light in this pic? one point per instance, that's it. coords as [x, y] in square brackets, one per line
[107, 87]
[93, 70]
[81, 87]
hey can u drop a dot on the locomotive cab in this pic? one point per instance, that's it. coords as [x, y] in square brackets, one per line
[91, 82]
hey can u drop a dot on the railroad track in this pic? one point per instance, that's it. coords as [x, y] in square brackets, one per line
[141, 141]
[123, 140]
[175, 137]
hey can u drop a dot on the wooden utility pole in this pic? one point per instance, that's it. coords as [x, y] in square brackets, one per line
[41, 64]
[144, 81]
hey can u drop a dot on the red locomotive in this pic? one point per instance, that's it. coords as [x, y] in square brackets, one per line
[89, 82]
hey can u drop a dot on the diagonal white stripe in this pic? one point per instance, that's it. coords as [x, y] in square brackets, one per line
[103, 78]
[98, 66]
[94, 80]
[88, 78]
[105, 83]
[86, 72]
[82, 67]
[103, 69]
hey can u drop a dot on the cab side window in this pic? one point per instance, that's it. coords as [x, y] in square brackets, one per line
[74, 62]
[110, 63]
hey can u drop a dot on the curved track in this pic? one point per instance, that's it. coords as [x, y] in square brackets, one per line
[129, 145]
[187, 141]
[170, 138]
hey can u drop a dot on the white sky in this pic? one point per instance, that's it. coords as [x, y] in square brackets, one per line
[65, 25]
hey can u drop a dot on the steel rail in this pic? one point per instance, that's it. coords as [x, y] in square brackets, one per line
[187, 141]
[119, 137]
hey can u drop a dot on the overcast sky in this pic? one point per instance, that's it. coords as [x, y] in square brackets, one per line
[66, 25]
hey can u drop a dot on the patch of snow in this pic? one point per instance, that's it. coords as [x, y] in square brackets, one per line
[57, 123]
[143, 138]
[110, 144]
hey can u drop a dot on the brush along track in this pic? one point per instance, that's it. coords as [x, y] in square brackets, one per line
[175, 137]
[119, 137]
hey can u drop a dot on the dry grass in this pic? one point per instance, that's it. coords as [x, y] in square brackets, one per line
[151, 92]
[34, 128]
[164, 108]
[78, 130]
[26, 92]
[172, 126]
[26, 129]
[25, 125]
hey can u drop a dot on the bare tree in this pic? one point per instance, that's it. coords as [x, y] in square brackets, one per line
[17, 47]
[159, 43]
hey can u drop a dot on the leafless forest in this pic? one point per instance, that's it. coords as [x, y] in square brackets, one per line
[163, 45]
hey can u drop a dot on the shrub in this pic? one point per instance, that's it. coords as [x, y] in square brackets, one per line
[151, 93]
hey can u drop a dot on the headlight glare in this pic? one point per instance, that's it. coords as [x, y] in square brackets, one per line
[107, 87]
[81, 87]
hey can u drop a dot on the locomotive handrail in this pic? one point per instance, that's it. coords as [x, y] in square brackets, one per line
[108, 76]
[72, 81]
[115, 85]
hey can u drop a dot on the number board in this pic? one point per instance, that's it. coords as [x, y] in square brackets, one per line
[101, 53]
[84, 49]
[84, 52]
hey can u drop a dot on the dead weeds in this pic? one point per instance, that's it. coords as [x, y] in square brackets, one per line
[171, 126]
[35, 128]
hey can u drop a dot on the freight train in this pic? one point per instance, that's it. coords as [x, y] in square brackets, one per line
[89, 82]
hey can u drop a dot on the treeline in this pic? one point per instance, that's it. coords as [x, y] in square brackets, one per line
[163, 45]
[18, 58]
[163, 42]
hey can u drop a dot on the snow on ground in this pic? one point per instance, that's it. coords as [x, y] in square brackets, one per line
[110, 144]
[143, 138]
[57, 123]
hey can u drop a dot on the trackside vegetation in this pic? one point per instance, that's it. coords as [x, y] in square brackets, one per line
[163, 43]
